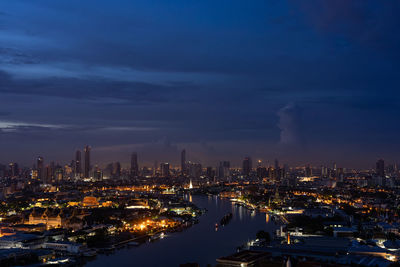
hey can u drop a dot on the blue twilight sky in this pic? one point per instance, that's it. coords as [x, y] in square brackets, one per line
[303, 81]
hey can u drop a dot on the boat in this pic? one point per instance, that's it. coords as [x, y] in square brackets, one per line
[60, 261]
[226, 219]
[156, 236]
[109, 249]
[89, 253]
[133, 244]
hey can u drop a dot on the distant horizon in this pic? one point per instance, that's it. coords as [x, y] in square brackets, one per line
[236, 163]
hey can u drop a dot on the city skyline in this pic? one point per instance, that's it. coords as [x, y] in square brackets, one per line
[297, 81]
[134, 164]
[199, 133]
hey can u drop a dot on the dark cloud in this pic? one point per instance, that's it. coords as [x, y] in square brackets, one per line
[129, 75]
[13, 56]
[290, 125]
[369, 23]
[93, 88]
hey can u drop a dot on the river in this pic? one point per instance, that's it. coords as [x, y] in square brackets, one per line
[200, 243]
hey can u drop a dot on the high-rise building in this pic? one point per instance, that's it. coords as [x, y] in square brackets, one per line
[246, 166]
[58, 173]
[194, 169]
[210, 172]
[78, 163]
[97, 174]
[380, 168]
[324, 171]
[87, 161]
[262, 172]
[116, 170]
[224, 169]
[334, 171]
[183, 162]
[155, 168]
[308, 171]
[40, 168]
[276, 164]
[14, 170]
[272, 173]
[164, 169]
[134, 165]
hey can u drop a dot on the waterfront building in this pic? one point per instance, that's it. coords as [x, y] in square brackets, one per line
[54, 218]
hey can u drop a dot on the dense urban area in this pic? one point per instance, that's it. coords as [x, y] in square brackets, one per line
[323, 216]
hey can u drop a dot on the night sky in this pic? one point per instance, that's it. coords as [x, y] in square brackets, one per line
[303, 81]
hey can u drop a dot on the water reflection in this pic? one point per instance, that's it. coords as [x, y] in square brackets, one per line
[241, 213]
[201, 243]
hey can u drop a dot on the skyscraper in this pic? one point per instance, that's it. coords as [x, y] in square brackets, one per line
[308, 170]
[246, 166]
[262, 172]
[276, 164]
[183, 162]
[116, 170]
[380, 168]
[14, 170]
[40, 168]
[78, 163]
[87, 161]
[164, 169]
[224, 169]
[134, 165]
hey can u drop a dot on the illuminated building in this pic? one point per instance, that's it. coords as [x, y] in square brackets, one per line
[14, 170]
[90, 201]
[34, 174]
[57, 219]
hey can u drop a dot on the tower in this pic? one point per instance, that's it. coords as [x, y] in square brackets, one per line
[164, 169]
[40, 168]
[78, 163]
[380, 168]
[87, 161]
[246, 166]
[134, 165]
[183, 162]
[308, 170]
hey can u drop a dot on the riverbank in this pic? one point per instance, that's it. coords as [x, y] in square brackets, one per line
[201, 243]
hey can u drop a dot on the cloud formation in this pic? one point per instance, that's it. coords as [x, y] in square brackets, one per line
[290, 125]
[128, 74]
